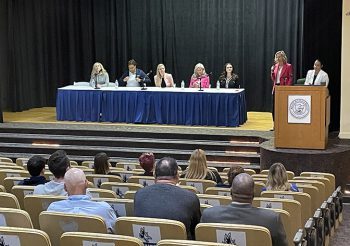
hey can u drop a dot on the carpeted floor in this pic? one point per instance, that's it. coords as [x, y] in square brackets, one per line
[342, 234]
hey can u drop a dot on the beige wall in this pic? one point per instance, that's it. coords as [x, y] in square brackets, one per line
[345, 74]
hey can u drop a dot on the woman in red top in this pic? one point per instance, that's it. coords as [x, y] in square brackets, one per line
[281, 74]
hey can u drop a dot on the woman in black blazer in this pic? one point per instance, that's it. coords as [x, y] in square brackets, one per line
[228, 79]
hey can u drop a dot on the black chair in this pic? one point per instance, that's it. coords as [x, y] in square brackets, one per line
[299, 238]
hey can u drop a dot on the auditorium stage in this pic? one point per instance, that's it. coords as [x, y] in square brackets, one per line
[250, 145]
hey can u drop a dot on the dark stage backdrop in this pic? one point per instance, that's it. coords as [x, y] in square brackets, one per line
[46, 44]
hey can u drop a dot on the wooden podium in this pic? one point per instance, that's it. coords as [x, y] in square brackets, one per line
[302, 115]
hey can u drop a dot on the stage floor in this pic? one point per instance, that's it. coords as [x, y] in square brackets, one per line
[257, 121]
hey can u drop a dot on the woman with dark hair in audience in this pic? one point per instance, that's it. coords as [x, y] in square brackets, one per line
[101, 164]
[277, 179]
[146, 161]
[198, 168]
[228, 78]
[231, 174]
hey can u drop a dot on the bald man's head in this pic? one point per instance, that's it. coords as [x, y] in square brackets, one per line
[242, 189]
[75, 182]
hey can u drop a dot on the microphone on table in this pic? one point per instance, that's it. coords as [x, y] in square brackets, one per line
[96, 87]
[200, 79]
[143, 80]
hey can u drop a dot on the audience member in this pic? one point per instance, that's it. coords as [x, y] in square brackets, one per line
[231, 174]
[78, 202]
[134, 77]
[58, 164]
[240, 211]
[99, 75]
[36, 169]
[199, 77]
[146, 161]
[198, 168]
[163, 79]
[165, 200]
[277, 179]
[102, 165]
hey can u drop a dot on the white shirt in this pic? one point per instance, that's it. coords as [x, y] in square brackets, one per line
[279, 75]
[322, 77]
[132, 81]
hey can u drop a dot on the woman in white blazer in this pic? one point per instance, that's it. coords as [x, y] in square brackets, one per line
[317, 75]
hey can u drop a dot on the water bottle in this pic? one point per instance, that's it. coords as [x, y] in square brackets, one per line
[182, 84]
[218, 85]
[174, 85]
[116, 83]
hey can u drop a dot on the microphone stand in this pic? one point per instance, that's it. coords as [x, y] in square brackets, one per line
[143, 84]
[96, 87]
[200, 84]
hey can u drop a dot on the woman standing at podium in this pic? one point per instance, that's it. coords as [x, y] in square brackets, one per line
[99, 75]
[163, 79]
[281, 74]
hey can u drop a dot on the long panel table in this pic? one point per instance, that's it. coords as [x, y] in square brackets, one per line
[211, 107]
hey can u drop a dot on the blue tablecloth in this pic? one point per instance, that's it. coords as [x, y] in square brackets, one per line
[155, 105]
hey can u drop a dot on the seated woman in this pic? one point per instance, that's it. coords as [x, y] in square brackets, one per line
[146, 161]
[99, 75]
[199, 77]
[163, 79]
[101, 164]
[231, 174]
[198, 169]
[317, 76]
[277, 179]
[228, 79]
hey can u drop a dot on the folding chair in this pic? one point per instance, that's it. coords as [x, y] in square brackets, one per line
[303, 198]
[120, 188]
[8, 200]
[169, 242]
[55, 224]
[150, 230]
[35, 204]
[88, 238]
[233, 233]
[142, 180]
[214, 200]
[4, 173]
[218, 191]
[24, 236]
[121, 207]
[15, 218]
[200, 184]
[96, 193]
[98, 179]
[20, 191]
[9, 182]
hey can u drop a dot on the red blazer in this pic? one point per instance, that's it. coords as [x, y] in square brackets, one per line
[286, 75]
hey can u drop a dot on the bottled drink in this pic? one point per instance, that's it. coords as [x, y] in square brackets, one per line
[116, 84]
[182, 84]
[218, 85]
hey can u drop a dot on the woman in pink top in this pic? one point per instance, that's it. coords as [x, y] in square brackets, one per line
[199, 76]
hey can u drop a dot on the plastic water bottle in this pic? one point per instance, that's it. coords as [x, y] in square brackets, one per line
[174, 85]
[116, 83]
[218, 85]
[182, 84]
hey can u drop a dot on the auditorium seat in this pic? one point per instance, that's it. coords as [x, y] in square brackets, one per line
[328, 186]
[291, 206]
[12, 166]
[142, 180]
[122, 207]
[329, 176]
[246, 170]
[35, 204]
[120, 188]
[5, 159]
[287, 224]
[2, 188]
[169, 242]
[88, 164]
[303, 198]
[9, 182]
[73, 163]
[320, 186]
[20, 191]
[25, 236]
[299, 238]
[8, 200]
[55, 224]
[128, 166]
[290, 174]
[97, 193]
[200, 184]
[98, 179]
[258, 188]
[214, 200]
[88, 238]
[259, 175]
[189, 188]
[150, 230]
[125, 175]
[130, 194]
[15, 218]
[218, 191]
[311, 232]
[4, 173]
[204, 206]
[260, 179]
[233, 233]
[7, 164]
[48, 175]
[316, 199]
[21, 161]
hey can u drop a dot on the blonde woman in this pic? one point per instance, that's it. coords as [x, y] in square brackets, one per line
[163, 79]
[198, 169]
[277, 179]
[99, 75]
[199, 76]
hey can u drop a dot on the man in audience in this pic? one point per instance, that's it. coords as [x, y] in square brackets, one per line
[240, 211]
[165, 200]
[78, 202]
[36, 169]
[58, 164]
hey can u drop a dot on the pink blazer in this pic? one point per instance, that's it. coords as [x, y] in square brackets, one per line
[168, 78]
[194, 82]
[286, 77]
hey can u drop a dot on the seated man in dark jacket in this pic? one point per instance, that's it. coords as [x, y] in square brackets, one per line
[240, 211]
[134, 77]
[36, 169]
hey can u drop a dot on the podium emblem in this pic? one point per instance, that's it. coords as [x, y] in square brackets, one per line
[299, 109]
